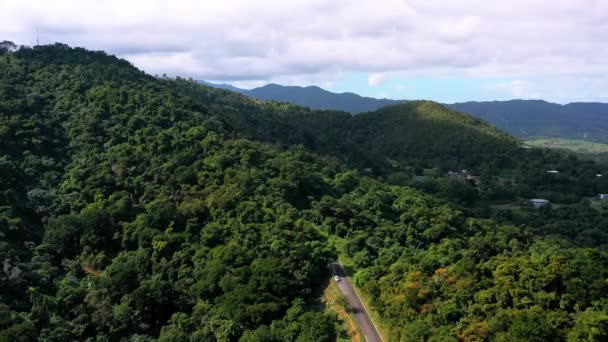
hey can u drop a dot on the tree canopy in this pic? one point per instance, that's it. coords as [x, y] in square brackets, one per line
[135, 208]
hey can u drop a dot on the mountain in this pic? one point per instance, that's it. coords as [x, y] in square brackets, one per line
[317, 98]
[312, 97]
[135, 208]
[533, 119]
[224, 86]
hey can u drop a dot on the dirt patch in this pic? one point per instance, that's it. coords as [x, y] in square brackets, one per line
[91, 271]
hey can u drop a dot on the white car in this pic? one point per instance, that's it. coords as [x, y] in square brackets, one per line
[336, 278]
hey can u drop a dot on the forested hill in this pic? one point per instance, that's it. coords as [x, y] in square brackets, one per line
[141, 209]
[522, 118]
[416, 133]
[130, 212]
[426, 134]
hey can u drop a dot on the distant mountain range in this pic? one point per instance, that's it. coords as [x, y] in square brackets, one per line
[312, 97]
[525, 119]
[536, 118]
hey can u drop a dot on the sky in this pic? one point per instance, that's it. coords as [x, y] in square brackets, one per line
[443, 50]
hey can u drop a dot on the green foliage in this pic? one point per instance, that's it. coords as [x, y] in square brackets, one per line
[136, 208]
[396, 141]
[143, 210]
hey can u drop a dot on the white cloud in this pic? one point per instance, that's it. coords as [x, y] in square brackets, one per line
[376, 79]
[556, 89]
[516, 88]
[319, 40]
[458, 29]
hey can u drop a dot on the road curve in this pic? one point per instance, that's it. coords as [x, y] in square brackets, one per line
[368, 329]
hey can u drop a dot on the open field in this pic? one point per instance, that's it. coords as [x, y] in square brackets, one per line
[578, 146]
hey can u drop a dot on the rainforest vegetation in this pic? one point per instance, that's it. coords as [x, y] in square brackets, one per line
[139, 208]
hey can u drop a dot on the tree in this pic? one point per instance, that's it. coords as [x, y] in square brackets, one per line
[7, 46]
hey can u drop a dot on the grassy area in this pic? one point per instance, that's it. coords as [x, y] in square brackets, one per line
[578, 146]
[339, 246]
[506, 206]
[601, 205]
[516, 205]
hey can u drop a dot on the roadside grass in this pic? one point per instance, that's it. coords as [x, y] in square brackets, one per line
[375, 316]
[347, 263]
[334, 301]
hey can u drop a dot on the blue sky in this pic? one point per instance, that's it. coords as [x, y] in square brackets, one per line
[444, 50]
[458, 89]
[442, 89]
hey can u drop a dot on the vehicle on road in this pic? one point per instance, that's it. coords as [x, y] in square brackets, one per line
[336, 278]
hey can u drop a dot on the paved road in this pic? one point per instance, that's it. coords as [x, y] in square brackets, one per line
[360, 311]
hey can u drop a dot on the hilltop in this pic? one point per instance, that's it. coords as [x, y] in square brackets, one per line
[525, 119]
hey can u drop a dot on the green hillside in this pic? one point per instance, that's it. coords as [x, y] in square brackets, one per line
[401, 141]
[428, 134]
[425, 133]
[141, 209]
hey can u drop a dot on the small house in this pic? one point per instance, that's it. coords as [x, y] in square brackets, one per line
[461, 176]
[552, 171]
[603, 196]
[598, 175]
[475, 180]
[464, 176]
[539, 202]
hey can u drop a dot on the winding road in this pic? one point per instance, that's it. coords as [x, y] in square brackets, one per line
[368, 329]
